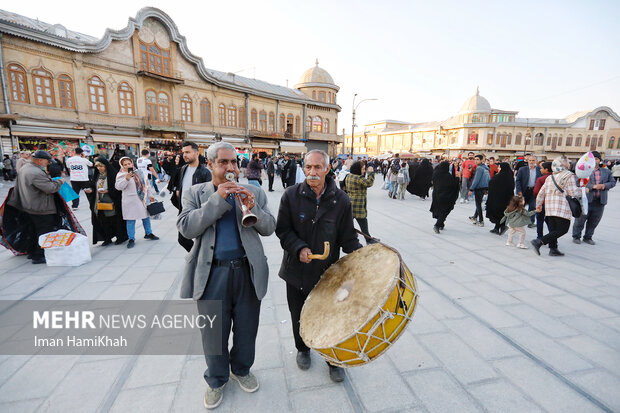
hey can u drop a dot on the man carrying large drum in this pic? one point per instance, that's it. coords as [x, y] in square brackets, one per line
[312, 214]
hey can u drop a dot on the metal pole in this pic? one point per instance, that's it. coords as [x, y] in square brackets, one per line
[353, 125]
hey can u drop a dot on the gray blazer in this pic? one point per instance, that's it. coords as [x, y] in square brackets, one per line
[202, 207]
[607, 179]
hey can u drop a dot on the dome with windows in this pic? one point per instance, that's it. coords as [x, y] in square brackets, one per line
[316, 77]
[476, 104]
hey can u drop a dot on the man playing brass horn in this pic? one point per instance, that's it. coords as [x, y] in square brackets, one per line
[226, 263]
[312, 213]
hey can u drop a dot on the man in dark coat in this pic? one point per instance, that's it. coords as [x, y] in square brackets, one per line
[311, 213]
[271, 169]
[525, 183]
[421, 179]
[501, 191]
[291, 171]
[445, 194]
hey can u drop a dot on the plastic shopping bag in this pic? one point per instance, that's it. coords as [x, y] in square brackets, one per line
[66, 192]
[72, 249]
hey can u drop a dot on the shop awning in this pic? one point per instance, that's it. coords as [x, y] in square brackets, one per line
[4, 132]
[47, 132]
[201, 138]
[237, 142]
[293, 147]
[117, 139]
[264, 144]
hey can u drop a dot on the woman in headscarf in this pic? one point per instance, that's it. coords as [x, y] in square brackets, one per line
[445, 194]
[557, 211]
[106, 210]
[136, 189]
[501, 190]
[357, 184]
[421, 179]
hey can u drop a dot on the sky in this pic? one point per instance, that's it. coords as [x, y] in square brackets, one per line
[421, 60]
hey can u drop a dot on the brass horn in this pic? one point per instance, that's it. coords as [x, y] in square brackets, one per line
[248, 218]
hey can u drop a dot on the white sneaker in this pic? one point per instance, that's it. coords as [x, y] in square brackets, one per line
[508, 243]
[523, 247]
[462, 201]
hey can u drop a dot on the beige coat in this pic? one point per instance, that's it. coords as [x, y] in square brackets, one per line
[133, 208]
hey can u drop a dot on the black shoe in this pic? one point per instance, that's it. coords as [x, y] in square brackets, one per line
[503, 230]
[589, 241]
[536, 243]
[554, 252]
[442, 227]
[336, 373]
[271, 190]
[118, 242]
[494, 231]
[40, 260]
[436, 229]
[131, 243]
[106, 243]
[151, 236]
[531, 225]
[576, 240]
[303, 360]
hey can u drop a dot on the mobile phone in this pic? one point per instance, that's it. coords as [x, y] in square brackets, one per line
[130, 170]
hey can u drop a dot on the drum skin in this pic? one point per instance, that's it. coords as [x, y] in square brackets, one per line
[360, 307]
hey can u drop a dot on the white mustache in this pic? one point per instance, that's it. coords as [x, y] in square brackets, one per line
[313, 178]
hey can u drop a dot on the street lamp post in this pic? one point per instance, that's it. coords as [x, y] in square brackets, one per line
[353, 118]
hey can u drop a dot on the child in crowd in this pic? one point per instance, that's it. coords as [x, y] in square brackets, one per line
[517, 218]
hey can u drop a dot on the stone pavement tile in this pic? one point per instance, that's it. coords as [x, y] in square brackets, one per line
[549, 351]
[152, 399]
[613, 322]
[277, 292]
[37, 378]
[59, 287]
[451, 288]
[84, 387]
[596, 352]
[491, 293]
[500, 396]
[271, 396]
[283, 321]
[408, 355]
[24, 406]
[458, 358]
[148, 260]
[26, 285]
[486, 343]
[610, 279]
[586, 308]
[424, 323]
[153, 370]
[440, 393]
[267, 312]
[191, 388]
[109, 273]
[11, 365]
[540, 287]
[88, 291]
[549, 326]
[543, 387]
[594, 329]
[126, 258]
[119, 292]
[316, 376]
[171, 264]
[544, 304]
[89, 268]
[438, 306]
[9, 279]
[268, 350]
[602, 385]
[488, 312]
[159, 281]
[380, 387]
[329, 399]
[503, 282]
[149, 295]
[134, 275]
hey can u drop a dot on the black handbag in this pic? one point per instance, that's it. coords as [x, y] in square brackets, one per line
[155, 208]
[573, 203]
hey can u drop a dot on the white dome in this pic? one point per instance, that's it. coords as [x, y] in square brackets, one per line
[316, 77]
[476, 104]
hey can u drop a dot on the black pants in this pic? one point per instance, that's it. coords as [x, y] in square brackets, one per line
[6, 173]
[42, 224]
[530, 201]
[270, 176]
[500, 227]
[557, 227]
[441, 220]
[108, 225]
[478, 195]
[240, 308]
[363, 223]
[295, 299]
[77, 186]
[540, 220]
[590, 221]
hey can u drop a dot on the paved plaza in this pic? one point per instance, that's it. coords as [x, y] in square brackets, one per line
[497, 329]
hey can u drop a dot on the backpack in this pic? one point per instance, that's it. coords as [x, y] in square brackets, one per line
[400, 178]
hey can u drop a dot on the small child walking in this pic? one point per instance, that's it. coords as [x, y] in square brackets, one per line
[517, 218]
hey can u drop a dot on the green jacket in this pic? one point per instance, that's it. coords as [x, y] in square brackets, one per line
[34, 191]
[517, 218]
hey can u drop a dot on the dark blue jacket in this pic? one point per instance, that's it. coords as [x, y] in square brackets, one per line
[523, 178]
[481, 178]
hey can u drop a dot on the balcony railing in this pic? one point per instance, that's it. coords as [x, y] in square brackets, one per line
[172, 76]
[149, 123]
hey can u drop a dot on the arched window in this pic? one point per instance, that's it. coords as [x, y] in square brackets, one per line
[152, 113]
[187, 111]
[317, 124]
[125, 99]
[43, 86]
[314, 94]
[232, 116]
[65, 90]
[253, 120]
[322, 96]
[19, 84]
[610, 144]
[325, 125]
[282, 123]
[549, 140]
[473, 138]
[518, 139]
[509, 139]
[96, 93]
[453, 138]
[588, 140]
[221, 110]
[242, 117]
[164, 107]
[560, 140]
[600, 141]
[205, 112]
[569, 140]
[578, 140]
[272, 122]
[289, 123]
[262, 120]
[308, 124]
[297, 122]
[538, 139]
[155, 59]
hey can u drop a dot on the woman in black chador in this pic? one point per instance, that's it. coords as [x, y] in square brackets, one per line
[105, 205]
[501, 190]
[445, 194]
[421, 179]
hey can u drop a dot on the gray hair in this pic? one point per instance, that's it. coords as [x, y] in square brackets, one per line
[322, 153]
[214, 149]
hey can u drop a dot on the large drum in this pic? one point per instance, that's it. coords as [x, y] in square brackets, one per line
[360, 307]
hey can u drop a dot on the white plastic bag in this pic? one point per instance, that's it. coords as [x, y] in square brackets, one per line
[73, 255]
